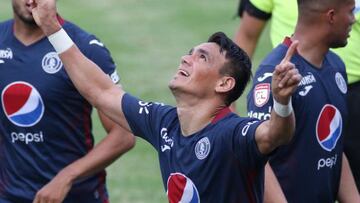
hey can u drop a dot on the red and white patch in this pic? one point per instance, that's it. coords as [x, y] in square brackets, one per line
[261, 94]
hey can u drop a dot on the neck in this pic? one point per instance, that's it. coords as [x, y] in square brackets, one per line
[313, 46]
[196, 114]
[27, 33]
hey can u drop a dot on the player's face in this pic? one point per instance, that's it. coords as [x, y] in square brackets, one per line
[198, 71]
[343, 20]
[22, 11]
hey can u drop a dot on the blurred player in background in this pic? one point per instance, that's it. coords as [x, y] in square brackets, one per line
[45, 122]
[206, 153]
[256, 13]
[312, 168]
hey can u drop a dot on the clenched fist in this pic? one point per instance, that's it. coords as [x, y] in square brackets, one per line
[45, 15]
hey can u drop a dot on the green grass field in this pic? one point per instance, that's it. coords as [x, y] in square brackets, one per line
[147, 39]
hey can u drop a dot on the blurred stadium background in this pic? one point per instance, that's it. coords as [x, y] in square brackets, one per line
[147, 39]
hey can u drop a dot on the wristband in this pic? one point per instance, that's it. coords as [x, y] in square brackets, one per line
[283, 110]
[61, 41]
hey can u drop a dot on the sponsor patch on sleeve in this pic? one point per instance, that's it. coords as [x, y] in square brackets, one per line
[261, 94]
[115, 77]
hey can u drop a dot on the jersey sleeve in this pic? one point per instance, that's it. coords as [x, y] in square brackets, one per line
[99, 54]
[261, 9]
[259, 98]
[241, 7]
[145, 118]
[244, 144]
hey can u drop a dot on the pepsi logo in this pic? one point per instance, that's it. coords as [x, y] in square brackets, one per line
[181, 189]
[329, 127]
[22, 104]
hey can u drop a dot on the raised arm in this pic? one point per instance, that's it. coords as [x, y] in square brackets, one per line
[87, 77]
[281, 126]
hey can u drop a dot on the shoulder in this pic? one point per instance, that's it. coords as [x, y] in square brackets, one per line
[143, 107]
[92, 48]
[6, 24]
[236, 123]
[335, 60]
[83, 39]
[5, 28]
[77, 34]
[271, 60]
[276, 55]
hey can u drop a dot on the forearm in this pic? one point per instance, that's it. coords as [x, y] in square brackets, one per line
[347, 190]
[274, 132]
[93, 84]
[116, 143]
[273, 192]
[87, 77]
[281, 128]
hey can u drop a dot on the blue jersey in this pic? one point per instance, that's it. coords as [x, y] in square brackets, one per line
[220, 163]
[45, 122]
[308, 168]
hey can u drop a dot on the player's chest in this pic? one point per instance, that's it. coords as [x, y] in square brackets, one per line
[173, 145]
[318, 89]
[37, 71]
[190, 167]
[196, 153]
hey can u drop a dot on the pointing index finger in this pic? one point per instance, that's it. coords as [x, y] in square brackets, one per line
[291, 51]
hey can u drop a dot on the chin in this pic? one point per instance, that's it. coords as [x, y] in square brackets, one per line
[172, 85]
[339, 44]
[28, 20]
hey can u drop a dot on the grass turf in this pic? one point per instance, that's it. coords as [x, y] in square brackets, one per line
[147, 39]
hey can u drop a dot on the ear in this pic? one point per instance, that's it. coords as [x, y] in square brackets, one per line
[225, 84]
[330, 14]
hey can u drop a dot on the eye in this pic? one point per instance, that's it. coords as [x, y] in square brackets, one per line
[202, 56]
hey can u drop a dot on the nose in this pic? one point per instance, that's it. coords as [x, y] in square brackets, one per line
[29, 2]
[186, 60]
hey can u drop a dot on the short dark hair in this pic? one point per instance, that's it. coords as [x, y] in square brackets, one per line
[317, 5]
[238, 65]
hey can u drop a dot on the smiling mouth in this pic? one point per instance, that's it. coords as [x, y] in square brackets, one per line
[183, 73]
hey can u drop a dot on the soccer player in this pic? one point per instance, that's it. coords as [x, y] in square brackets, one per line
[255, 15]
[206, 153]
[45, 122]
[311, 168]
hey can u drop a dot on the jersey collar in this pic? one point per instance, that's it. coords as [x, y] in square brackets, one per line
[287, 41]
[221, 114]
[60, 19]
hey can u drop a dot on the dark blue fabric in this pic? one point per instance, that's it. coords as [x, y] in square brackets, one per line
[45, 122]
[308, 168]
[221, 161]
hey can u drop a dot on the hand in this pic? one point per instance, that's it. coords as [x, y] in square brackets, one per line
[45, 15]
[55, 191]
[286, 77]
